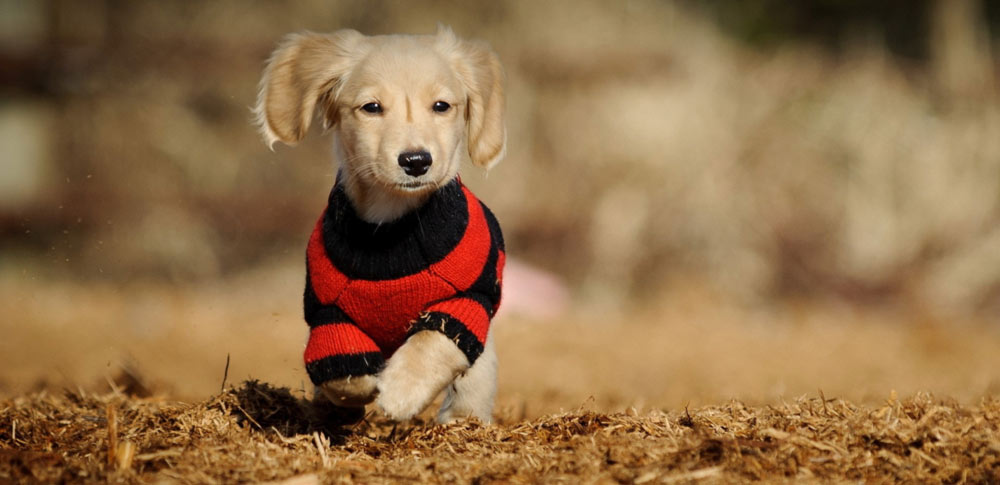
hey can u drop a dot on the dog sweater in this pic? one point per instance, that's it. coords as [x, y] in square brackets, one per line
[370, 286]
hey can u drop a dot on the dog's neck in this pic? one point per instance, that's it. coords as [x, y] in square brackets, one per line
[377, 204]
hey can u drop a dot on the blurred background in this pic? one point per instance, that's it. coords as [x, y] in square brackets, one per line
[702, 199]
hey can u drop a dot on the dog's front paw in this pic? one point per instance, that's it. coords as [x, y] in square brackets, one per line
[399, 405]
[417, 372]
[355, 391]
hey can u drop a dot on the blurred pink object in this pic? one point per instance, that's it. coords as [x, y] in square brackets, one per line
[529, 291]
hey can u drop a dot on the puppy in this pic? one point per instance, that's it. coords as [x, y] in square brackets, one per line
[404, 266]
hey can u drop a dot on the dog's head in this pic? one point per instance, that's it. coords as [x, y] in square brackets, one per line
[403, 106]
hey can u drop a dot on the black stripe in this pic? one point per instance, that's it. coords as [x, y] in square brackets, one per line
[487, 285]
[344, 365]
[367, 251]
[486, 289]
[496, 235]
[316, 313]
[452, 328]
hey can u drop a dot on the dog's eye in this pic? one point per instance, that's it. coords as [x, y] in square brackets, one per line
[441, 107]
[373, 108]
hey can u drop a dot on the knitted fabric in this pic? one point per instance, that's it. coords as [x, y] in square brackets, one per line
[370, 286]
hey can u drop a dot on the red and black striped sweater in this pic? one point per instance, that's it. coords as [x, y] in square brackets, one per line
[370, 286]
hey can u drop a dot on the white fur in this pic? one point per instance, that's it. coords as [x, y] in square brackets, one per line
[418, 372]
[472, 393]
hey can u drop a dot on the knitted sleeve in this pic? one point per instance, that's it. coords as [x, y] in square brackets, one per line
[465, 318]
[337, 348]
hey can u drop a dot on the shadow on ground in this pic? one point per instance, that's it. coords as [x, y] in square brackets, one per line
[270, 409]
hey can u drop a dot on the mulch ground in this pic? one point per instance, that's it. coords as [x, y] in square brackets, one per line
[257, 433]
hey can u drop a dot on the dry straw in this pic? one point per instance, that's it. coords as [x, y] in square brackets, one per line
[257, 433]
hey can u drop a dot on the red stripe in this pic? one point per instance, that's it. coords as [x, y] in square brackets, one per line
[467, 311]
[463, 265]
[383, 308]
[337, 339]
[327, 281]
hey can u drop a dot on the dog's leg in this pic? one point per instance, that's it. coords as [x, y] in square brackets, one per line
[417, 372]
[472, 393]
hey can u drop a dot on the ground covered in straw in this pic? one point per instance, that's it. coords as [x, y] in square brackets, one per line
[257, 432]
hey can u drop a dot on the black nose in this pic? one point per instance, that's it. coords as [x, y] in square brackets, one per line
[415, 164]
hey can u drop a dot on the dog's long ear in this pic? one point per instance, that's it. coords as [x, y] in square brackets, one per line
[305, 70]
[480, 71]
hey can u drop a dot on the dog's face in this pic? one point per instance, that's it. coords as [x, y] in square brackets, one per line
[401, 117]
[403, 108]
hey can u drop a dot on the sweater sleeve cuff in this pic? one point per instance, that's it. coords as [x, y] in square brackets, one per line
[463, 320]
[340, 350]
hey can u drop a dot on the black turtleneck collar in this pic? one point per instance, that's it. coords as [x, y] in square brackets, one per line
[388, 250]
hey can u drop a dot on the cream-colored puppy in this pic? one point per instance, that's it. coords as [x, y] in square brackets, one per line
[404, 109]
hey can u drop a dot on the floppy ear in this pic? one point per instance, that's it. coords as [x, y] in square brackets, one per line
[479, 69]
[304, 70]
